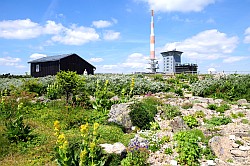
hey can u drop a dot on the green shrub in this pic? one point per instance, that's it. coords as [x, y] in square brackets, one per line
[199, 114]
[245, 121]
[222, 108]
[212, 106]
[135, 158]
[140, 116]
[53, 91]
[239, 142]
[168, 151]
[170, 111]
[112, 134]
[187, 105]
[17, 131]
[142, 113]
[191, 121]
[217, 121]
[179, 91]
[188, 148]
[113, 159]
[33, 85]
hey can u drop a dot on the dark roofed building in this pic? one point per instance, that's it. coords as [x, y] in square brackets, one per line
[52, 64]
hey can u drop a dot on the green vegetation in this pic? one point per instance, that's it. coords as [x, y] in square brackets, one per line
[169, 111]
[231, 87]
[143, 112]
[30, 106]
[191, 121]
[217, 121]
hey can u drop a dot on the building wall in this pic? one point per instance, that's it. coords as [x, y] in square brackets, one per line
[70, 63]
[44, 68]
[170, 60]
[76, 63]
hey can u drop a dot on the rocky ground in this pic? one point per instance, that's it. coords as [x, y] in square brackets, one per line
[230, 143]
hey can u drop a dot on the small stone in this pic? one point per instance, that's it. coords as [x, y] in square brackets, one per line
[173, 162]
[242, 101]
[211, 162]
[244, 148]
[232, 137]
[133, 128]
[234, 145]
[239, 153]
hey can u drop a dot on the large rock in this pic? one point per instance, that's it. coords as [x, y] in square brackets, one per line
[117, 148]
[242, 101]
[178, 124]
[119, 114]
[221, 146]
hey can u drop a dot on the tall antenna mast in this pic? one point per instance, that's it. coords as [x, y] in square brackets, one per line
[153, 63]
[152, 37]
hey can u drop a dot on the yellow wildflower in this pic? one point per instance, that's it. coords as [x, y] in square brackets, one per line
[84, 128]
[92, 145]
[57, 127]
[96, 125]
[61, 139]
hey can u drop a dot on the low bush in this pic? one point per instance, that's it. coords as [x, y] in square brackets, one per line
[187, 105]
[170, 111]
[143, 112]
[212, 106]
[188, 148]
[17, 131]
[191, 121]
[217, 121]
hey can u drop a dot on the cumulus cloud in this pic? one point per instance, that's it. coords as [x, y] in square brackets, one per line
[104, 23]
[76, 36]
[178, 5]
[101, 24]
[247, 37]
[37, 56]
[111, 35]
[96, 59]
[53, 28]
[19, 29]
[233, 59]
[9, 61]
[135, 61]
[209, 44]
[109, 67]
[26, 29]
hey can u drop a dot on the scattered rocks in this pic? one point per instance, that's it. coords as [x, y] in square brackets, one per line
[178, 124]
[221, 146]
[117, 148]
[119, 114]
[242, 101]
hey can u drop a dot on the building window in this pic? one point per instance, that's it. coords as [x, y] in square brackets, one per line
[37, 68]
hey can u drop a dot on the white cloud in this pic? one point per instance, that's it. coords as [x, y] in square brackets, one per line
[37, 56]
[76, 36]
[19, 29]
[111, 35]
[53, 28]
[109, 67]
[247, 37]
[135, 61]
[209, 44]
[102, 24]
[233, 59]
[96, 59]
[178, 5]
[9, 61]
[26, 29]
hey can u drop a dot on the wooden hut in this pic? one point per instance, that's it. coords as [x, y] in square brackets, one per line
[52, 64]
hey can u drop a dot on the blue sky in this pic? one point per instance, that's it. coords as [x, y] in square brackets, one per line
[113, 35]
